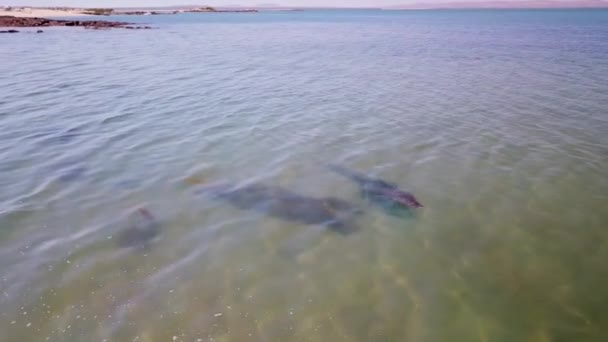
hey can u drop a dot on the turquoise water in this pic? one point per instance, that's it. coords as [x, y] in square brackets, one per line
[495, 120]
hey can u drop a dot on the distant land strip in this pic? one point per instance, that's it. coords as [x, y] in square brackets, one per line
[533, 4]
[46, 12]
[49, 12]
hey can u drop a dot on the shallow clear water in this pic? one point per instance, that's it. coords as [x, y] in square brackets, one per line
[496, 120]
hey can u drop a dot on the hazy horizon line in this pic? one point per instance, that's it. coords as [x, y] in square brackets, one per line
[449, 4]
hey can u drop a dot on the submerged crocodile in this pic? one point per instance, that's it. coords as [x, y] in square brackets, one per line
[336, 214]
[379, 191]
[143, 229]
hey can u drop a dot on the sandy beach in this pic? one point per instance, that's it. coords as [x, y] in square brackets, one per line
[40, 13]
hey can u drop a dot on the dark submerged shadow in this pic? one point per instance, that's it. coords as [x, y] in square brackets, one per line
[390, 207]
[334, 213]
[142, 229]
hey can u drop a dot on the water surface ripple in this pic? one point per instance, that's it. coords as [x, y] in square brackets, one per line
[496, 121]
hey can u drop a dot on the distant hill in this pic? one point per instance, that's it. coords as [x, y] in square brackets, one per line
[167, 8]
[191, 7]
[506, 4]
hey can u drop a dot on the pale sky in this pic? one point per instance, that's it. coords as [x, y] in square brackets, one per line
[134, 3]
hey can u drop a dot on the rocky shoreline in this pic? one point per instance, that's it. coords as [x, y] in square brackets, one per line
[8, 21]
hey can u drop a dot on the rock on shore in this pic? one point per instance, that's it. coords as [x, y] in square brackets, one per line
[8, 21]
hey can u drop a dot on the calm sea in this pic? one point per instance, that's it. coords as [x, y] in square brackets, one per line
[497, 121]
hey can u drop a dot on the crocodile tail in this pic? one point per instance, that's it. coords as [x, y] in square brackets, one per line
[355, 176]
